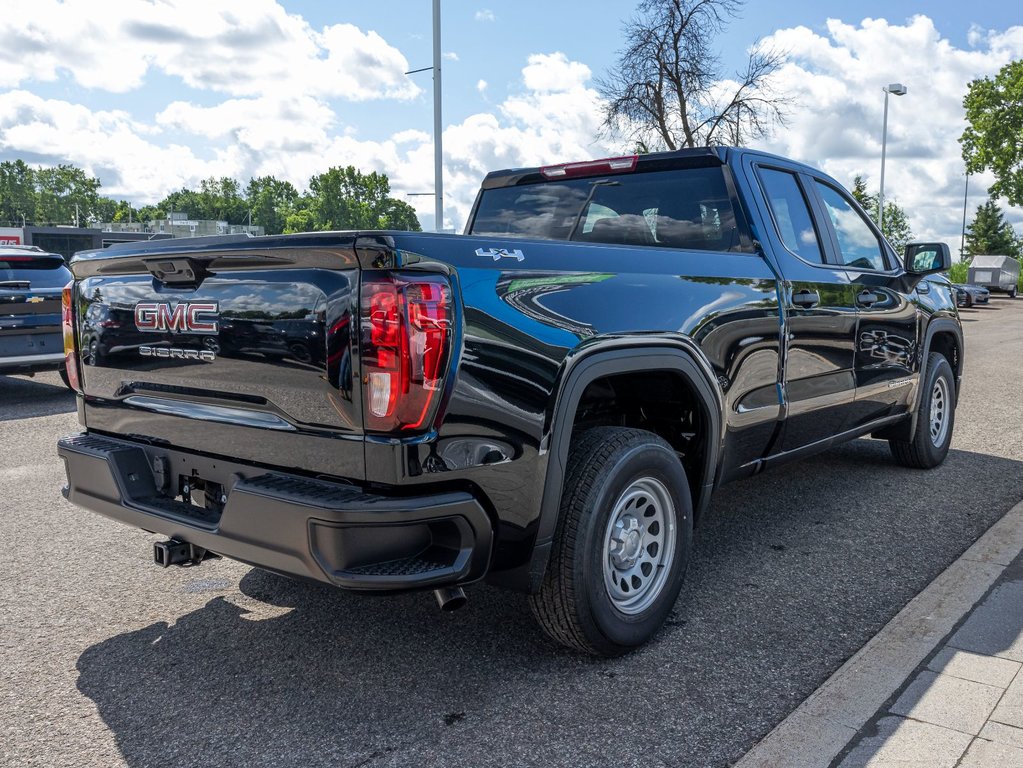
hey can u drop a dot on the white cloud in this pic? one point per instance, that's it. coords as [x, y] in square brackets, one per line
[485, 14]
[553, 116]
[554, 72]
[450, 55]
[213, 45]
[106, 144]
[836, 123]
[279, 78]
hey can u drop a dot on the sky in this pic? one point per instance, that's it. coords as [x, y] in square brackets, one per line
[154, 95]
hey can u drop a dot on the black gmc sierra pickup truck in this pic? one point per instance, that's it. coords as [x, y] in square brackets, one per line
[547, 401]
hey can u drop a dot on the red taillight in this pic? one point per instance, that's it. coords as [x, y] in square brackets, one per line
[406, 346]
[623, 164]
[68, 322]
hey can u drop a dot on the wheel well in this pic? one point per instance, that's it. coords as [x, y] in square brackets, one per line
[663, 402]
[945, 343]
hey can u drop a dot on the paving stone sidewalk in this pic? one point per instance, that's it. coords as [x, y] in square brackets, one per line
[963, 707]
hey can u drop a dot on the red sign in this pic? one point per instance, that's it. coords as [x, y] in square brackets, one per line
[10, 240]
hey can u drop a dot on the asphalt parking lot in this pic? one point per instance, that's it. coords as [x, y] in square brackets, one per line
[106, 660]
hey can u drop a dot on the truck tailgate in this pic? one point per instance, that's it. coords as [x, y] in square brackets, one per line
[230, 349]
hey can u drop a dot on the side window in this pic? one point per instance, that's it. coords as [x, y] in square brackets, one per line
[858, 244]
[791, 214]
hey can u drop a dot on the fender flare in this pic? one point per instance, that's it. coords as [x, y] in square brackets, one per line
[935, 326]
[678, 356]
[907, 428]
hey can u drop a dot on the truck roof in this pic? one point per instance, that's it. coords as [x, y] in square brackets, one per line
[680, 158]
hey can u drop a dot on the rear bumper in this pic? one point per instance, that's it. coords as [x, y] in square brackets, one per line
[31, 363]
[290, 524]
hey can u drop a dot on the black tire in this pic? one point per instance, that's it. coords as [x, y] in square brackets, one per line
[1012, 292]
[300, 352]
[574, 605]
[924, 451]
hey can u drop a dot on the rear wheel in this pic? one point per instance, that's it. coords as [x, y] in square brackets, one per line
[622, 544]
[934, 420]
[1012, 292]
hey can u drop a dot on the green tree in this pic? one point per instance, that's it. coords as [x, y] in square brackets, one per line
[990, 233]
[301, 219]
[126, 212]
[17, 192]
[345, 198]
[65, 195]
[896, 225]
[151, 213]
[222, 200]
[215, 200]
[104, 210]
[271, 201]
[184, 201]
[991, 141]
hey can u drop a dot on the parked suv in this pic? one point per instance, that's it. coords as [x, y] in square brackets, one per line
[31, 282]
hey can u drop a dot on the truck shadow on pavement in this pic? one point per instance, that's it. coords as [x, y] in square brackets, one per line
[792, 572]
[43, 395]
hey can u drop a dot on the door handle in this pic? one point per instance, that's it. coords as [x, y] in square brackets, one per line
[805, 299]
[866, 298]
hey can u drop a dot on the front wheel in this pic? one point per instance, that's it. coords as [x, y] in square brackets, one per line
[622, 544]
[1012, 292]
[935, 418]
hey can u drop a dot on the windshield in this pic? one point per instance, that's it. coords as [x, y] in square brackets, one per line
[682, 208]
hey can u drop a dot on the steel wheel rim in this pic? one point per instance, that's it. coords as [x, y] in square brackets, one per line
[939, 412]
[639, 545]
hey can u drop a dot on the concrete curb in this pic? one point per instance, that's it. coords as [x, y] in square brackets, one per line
[819, 728]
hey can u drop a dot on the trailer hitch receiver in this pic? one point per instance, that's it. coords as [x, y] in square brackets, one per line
[175, 552]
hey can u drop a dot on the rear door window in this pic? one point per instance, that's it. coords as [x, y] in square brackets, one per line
[680, 208]
[791, 214]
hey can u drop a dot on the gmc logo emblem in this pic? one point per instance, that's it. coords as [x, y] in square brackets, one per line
[186, 317]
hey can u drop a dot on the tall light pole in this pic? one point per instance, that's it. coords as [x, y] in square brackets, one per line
[898, 89]
[438, 150]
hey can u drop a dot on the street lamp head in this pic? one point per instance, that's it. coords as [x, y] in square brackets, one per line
[896, 89]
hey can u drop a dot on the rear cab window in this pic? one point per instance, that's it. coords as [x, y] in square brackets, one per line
[686, 208]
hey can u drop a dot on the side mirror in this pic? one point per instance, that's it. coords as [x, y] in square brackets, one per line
[927, 258]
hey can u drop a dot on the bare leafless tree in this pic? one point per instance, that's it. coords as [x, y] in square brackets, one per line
[667, 88]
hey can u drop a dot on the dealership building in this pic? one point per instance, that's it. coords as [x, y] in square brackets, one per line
[66, 240]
